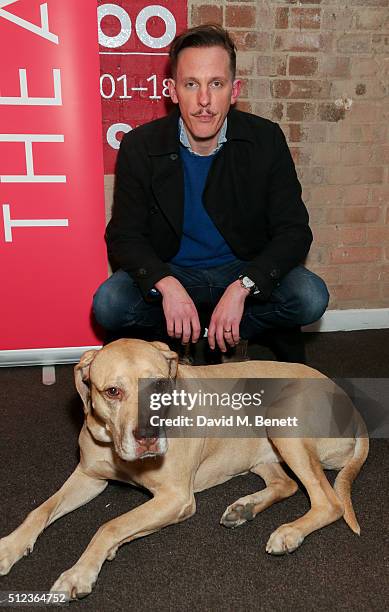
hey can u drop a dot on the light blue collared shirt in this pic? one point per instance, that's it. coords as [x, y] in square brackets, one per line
[184, 140]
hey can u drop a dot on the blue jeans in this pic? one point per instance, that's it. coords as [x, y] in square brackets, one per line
[300, 298]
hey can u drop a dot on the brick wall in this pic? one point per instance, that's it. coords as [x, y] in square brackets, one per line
[321, 69]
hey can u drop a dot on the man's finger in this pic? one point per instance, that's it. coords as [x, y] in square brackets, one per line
[235, 332]
[186, 331]
[228, 337]
[220, 338]
[170, 327]
[177, 328]
[196, 328]
[211, 335]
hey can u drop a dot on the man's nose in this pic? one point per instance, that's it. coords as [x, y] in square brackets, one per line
[204, 97]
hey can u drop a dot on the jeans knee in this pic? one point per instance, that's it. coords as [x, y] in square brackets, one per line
[314, 300]
[104, 308]
[303, 297]
[111, 307]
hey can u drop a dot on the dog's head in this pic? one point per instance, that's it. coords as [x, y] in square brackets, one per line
[107, 381]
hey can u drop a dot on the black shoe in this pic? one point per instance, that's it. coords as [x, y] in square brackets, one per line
[186, 352]
[237, 353]
[288, 344]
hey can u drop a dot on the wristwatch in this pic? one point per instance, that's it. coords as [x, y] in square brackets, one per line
[247, 283]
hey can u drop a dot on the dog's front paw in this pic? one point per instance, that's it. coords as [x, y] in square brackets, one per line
[7, 556]
[10, 552]
[237, 514]
[75, 583]
[283, 540]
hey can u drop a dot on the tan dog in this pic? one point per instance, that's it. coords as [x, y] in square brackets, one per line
[111, 448]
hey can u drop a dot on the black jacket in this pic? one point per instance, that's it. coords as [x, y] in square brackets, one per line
[252, 194]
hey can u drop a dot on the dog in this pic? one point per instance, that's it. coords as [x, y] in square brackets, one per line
[113, 447]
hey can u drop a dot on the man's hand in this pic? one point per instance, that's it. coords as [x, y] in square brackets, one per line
[182, 320]
[226, 317]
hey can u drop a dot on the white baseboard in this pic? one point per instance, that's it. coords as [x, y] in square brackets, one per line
[333, 320]
[349, 320]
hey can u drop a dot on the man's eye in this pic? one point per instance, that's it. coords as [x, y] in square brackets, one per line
[113, 392]
[217, 83]
[190, 84]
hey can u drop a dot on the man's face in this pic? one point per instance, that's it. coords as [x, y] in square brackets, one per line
[204, 90]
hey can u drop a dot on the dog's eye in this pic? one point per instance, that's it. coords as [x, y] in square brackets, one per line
[113, 392]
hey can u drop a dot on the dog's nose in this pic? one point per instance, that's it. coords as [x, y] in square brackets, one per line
[144, 438]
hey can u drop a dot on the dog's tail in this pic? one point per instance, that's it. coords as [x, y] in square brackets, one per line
[348, 473]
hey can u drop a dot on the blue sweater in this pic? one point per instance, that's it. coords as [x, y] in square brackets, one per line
[202, 245]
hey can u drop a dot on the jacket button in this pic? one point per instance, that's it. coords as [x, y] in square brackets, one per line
[173, 156]
[142, 272]
[154, 210]
[275, 273]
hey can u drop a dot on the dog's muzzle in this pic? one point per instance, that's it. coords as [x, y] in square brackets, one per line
[147, 442]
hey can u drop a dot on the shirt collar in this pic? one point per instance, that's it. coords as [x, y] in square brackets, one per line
[164, 139]
[184, 140]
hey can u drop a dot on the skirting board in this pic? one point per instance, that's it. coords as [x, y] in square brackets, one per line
[351, 320]
[333, 320]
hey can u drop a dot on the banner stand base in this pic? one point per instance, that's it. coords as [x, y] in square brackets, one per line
[43, 357]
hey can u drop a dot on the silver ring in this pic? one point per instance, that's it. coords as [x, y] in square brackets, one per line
[227, 331]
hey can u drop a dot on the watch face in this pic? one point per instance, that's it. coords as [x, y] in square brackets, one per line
[247, 282]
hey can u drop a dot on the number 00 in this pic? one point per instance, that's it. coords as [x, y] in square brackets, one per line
[148, 12]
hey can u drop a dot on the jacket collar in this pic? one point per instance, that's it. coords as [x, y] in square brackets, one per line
[238, 127]
[166, 140]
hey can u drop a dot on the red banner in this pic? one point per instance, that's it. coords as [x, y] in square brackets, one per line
[134, 42]
[51, 173]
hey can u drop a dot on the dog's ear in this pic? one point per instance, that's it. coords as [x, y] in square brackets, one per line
[170, 356]
[81, 378]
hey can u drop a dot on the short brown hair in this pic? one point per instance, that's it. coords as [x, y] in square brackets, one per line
[208, 35]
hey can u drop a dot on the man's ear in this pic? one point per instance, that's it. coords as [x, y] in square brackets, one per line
[170, 356]
[236, 89]
[172, 90]
[81, 378]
